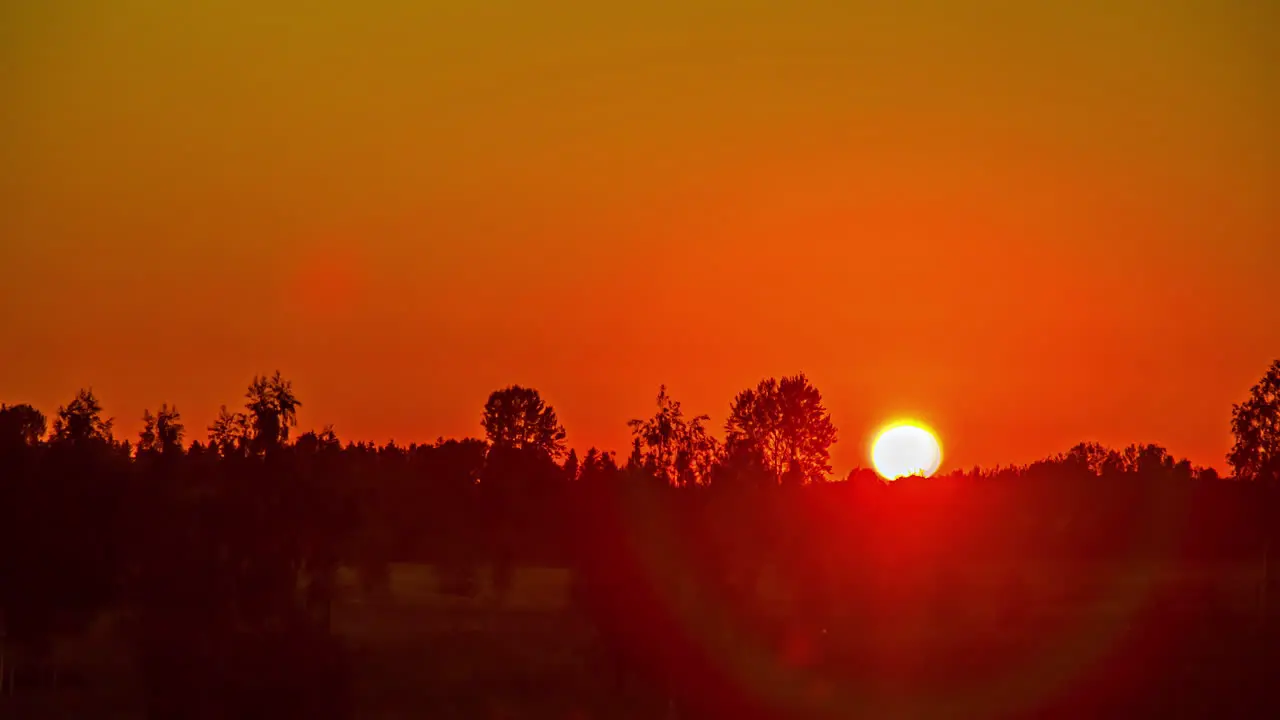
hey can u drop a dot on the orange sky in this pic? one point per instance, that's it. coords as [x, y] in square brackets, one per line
[1027, 226]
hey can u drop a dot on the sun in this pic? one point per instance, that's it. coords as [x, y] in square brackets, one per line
[906, 448]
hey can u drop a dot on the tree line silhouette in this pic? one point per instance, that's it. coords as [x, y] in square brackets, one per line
[224, 554]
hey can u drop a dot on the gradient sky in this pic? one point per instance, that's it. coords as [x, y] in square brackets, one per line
[1027, 224]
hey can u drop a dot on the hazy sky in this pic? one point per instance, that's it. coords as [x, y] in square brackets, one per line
[1026, 225]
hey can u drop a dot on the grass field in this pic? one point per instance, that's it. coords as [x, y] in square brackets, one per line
[416, 652]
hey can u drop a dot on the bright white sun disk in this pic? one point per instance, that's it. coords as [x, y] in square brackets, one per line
[906, 449]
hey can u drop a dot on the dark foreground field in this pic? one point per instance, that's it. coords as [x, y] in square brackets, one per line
[1131, 651]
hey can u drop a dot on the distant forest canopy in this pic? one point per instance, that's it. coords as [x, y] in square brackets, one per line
[521, 483]
[781, 423]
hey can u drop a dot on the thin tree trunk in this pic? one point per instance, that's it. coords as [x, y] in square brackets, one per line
[1266, 582]
[1266, 611]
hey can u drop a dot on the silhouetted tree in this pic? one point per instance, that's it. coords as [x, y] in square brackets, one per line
[21, 425]
[229, 434]
[520, 483]
[517, 418]
[741, 496]
[589, 460]
[1147, 459]
[273, 409]
[312, 442]
[865, 479]
[788, 425]
[1206, 475]
[169, 430]
[742, 467]
[521, 491]
[81, 421]
[58, 522]
[161, 433]
[147, 435]
[455, 535]
[1095, 458]
[598, 467]
[571, 466]
[673, 449]
[1255, 456]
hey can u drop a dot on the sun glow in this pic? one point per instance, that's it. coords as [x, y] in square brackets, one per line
[906, 448]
